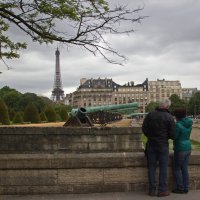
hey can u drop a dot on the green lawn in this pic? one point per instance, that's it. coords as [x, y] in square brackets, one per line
[195, 144]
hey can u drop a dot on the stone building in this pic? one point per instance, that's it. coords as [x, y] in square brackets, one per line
[95, 92]
[187, 93]
[130, 92]
[160, 89]
[92, 92]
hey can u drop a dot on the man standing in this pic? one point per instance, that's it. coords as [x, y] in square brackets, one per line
[159, 127]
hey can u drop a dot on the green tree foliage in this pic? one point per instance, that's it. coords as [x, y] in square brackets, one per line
[43, 117]
[31, 114]
[63, 113]
[8, 48]
[31, 97]
[46, 100]
[194, 105]
[18, 102]
[18, 119]
[4, 90]
[11, 113]
[72, 22]
[176, 102]
[151, 106]
[58, 118]
[11, 97]
[4, 117]
[50, 114]
[62, 110]
[68, 108]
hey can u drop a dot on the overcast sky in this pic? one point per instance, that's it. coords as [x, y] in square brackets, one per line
[165, 45]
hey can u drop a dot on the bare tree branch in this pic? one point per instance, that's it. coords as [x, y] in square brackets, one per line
[86, 21]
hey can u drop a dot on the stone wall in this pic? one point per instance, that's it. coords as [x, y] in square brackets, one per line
[49, 170]
[80, 173]
[69, 140]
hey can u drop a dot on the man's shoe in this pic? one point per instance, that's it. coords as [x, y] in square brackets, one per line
[185, 191]
[178, 191]
[163, 194]
[152, 193]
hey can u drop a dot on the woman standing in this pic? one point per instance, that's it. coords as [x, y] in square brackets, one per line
[182, 150]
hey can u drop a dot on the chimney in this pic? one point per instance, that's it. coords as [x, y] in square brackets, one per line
[82, 81]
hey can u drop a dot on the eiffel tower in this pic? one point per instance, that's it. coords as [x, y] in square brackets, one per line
[57, 93]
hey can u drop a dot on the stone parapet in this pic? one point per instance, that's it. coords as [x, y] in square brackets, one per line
[73, 160]
[80, 173]
[69, 140]
[52, 160]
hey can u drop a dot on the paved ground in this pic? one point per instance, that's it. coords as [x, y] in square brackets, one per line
[195, 135]
[192, 195]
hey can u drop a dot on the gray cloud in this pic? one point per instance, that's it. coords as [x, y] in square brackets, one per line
[165, 45]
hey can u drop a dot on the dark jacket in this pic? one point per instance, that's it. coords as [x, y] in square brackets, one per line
[183, 131]
[159, 127]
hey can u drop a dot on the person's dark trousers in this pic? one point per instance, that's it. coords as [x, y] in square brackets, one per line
[161, 157]
[181, 161]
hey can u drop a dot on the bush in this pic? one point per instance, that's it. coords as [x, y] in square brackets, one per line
[43, 117]
[31, 114]
[12, 114]
[18, 119]
[63, 113]
[4, 117]
[58, 118]
[50, 114]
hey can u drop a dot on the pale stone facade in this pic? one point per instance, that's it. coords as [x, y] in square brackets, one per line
[132, 93]
[92, 92]
[95, 92]
[160, 89]
[187, 93]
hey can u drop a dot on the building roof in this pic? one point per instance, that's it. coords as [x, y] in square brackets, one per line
[99, 83]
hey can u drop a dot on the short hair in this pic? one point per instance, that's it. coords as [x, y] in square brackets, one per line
[164, 103]
[180, 113]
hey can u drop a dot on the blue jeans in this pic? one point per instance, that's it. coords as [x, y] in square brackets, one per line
[162, 157]
[181, 161]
